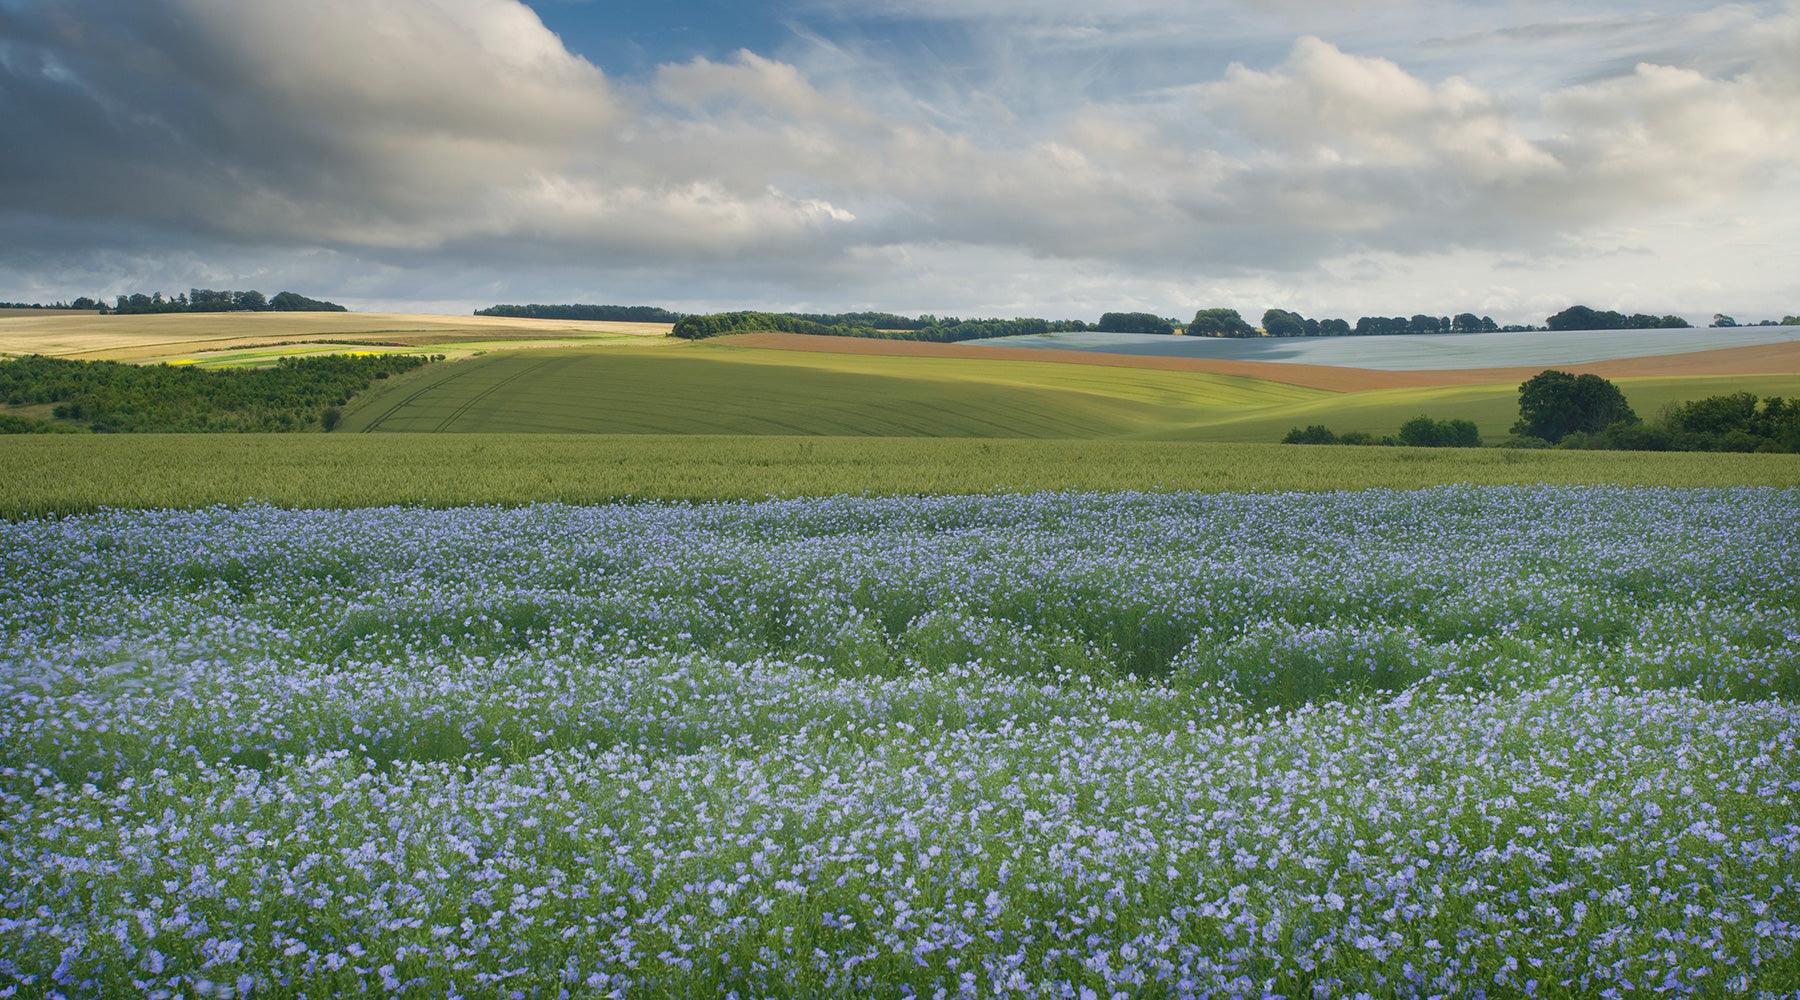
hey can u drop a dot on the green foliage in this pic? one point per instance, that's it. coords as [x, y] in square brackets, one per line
[1219, 323]
[111, 396]
[80, 302]
[875, 320]
[1554, 404]
[205, 300]
[1134, 322]
[12, 423]
[1419, 432]
[1311, 434]
[1281, 323]
[294, 302]
[1790, 321]
[699, 327]
[1732, 422]
[1583, 318]
[613, 314]
[942, 331]
[57, 473]
[1424, 432]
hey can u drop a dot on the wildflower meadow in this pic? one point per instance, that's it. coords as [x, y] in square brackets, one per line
[1454, 742]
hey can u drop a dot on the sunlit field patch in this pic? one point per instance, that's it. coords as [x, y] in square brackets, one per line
[1508, 741]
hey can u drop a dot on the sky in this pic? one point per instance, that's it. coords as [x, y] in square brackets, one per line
[970, 157]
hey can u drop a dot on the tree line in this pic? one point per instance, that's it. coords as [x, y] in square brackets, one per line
[79, 303]
[610, 314]
[110, 396]
[1286, 323]
[931, 329]
[206, 300]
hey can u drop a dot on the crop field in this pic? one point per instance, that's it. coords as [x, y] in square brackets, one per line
[704, 389]
[42, 474]
[259, 338]
[709, 389]
[1542, 348]
[1493, 408]
[1526, 741]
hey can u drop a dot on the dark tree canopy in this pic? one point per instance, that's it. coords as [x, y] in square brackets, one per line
[1471, 323]
[938, 330]
[1219, 323]
[1281, 323]
[1424, 432]
[1134, 322]
[204, 300]
[294, 394]
[293, 302]
[1583, 318]
[1311, 434]
[1555, 404]
[611, 314]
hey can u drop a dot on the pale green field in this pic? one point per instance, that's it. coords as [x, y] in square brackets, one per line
[51, 474]
[707, 389]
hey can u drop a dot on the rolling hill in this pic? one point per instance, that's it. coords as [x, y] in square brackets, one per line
[725, 388]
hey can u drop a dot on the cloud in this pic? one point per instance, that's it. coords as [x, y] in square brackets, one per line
[464, 136]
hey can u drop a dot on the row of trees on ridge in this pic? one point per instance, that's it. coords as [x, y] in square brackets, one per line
[206, 300]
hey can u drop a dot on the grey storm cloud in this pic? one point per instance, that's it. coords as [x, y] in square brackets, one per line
[463, 135]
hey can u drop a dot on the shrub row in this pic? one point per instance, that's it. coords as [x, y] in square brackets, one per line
[108, 396]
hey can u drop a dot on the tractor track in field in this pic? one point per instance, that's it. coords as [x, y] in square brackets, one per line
[375, 425]
[485, 393]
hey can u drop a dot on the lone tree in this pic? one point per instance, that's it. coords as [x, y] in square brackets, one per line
[1219, 323]
[1555, 404]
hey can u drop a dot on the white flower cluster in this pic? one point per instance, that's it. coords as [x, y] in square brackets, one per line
[1449, 743]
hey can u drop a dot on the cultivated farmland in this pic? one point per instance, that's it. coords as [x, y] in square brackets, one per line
[1519, 742]
[725, 388]
[261, 337]
[59, 474]
[1542, 348]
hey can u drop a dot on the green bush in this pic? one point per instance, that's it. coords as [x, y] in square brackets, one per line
[1736, 422]
[942, 331]
[1315, 434]
[1424, 432]
[1419, 432]
[13, 424]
